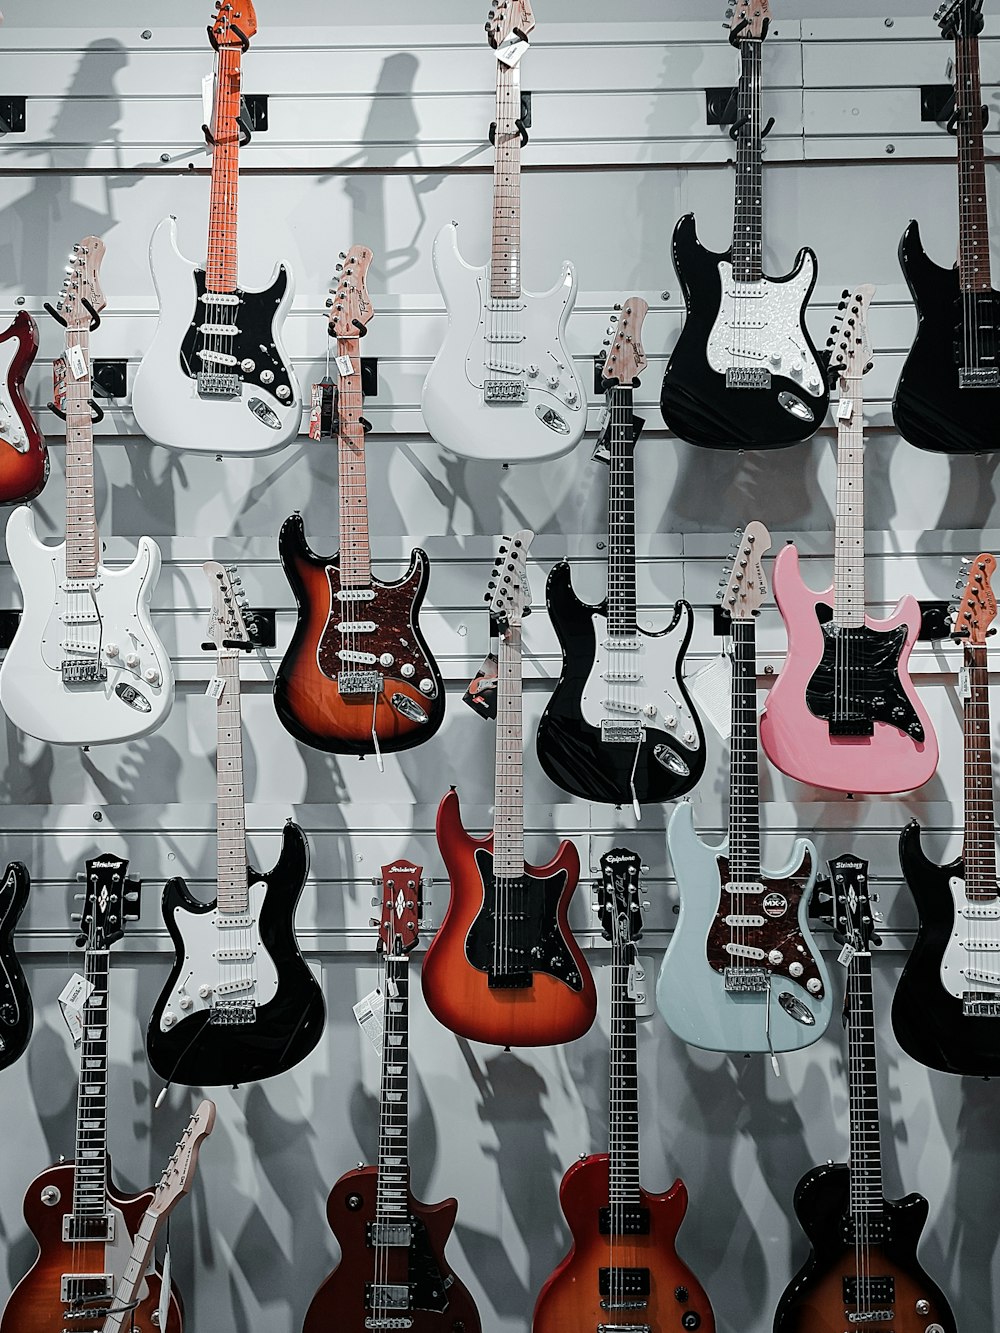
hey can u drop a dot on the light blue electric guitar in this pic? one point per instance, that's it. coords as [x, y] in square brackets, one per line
[742, 972]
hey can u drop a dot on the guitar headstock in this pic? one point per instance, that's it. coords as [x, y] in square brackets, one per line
[745, 589]
[402, 904]
[230, 618]
[178, 1175]
[81, 299]
[509, 18]
[508, 595]
[849, 342]
[619, 903]
[960, 18]
[110, 901]
[976, 606]
[749, 20]
[853, 918]
[351, 306]
[626, 360]
[234, 24]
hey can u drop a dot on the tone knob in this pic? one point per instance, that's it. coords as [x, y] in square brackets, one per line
[407, 670]
[797, 369]
[132, 660]
[111, 650]
[283, 392]
[814, 985]
[426, 685]
[169, 1019]
[204, 991]
[689, 738]
[670, 720]
[151, 675]
[814, 383]
[553, 381]
[795, 969]
[923, 1307]
[532, 372]
[267, 377]
[775, 358]
[386, 659]
[681, 1294]
[185, 1002]
[571, 397]
[650, 710]
[246, 365]
[775, 957]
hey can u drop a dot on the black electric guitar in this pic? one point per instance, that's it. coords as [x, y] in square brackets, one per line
[946, 1010]
[16, 1012]
[620, 726]
[863, 1272]
[948, 396]
[744, 373]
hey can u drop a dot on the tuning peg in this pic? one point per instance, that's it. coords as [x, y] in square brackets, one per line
[76, 916]
[81, 877]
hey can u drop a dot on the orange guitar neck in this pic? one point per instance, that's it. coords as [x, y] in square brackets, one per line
[221, 264]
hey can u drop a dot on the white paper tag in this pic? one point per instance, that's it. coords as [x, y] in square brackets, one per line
[712, 689]
[644, 1006]
[964, 683]
[847, 955]
[510, 50]
[73, 997]
[369, 1012]
[207, 92]
[215, 687]
[76, 361]
[345, 365]
[845, 409]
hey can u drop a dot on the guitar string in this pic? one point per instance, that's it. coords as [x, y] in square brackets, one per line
[379, 1292]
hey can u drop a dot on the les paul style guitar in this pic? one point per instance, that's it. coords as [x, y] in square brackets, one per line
[948, 395]
[744, 373]
[622, 1271]
[24, 460]
[620, 726]
[503, 386]
[86, 1227]
[504, 966]
[357, 677]
[946, 1009]
[240, 1003]
[216, 378]
[844, 713]
[16, 1009]
[86, 666]
[393, 1272]
[863, 1271]
[742, 971]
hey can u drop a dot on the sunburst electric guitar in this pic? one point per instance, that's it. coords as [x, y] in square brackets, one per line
[24, 460]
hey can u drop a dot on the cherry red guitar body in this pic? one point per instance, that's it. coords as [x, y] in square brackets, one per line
[24, 460]
[572, 1299]
[560, 1003]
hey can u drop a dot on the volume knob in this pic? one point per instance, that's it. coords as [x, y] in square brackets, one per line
[132, 660]
[408, 670]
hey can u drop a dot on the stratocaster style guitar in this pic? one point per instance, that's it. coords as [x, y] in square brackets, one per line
[622, 1271]
[504, 966]
[503, 386]
[946, 1009]
[843, 712]
[744, 373]
[16, 1010]
[393, 1272]
[357, 677]
[240, 1003]
[216, 378]
[863, 1271]
[948, 395]
[86, 666]
[86, 1227]
[24, 460]
[742, 971]
[620, 726]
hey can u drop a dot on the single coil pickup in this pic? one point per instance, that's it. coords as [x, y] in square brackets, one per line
[745, 921]
[851, 724]
[212, 385]
[359, 682]
[233, 922]
[388, 1321]
[509, 981]
[623, 1220]
[974, 913]
[621, 732]
[88, 650]
[984, 978]
[220, 298]
[218, 330]
[355, 594]
[980, 1006]
[83, 673]
[746, 980]
[503, 339]
[75, 1288]
[234, 955]
[873, 1228]
[979, 377]
[743, 886]
[621, 645]
[356, 657]
[980, 946]
[81, 618]
[619, 706]
[504, 391]
[218, 359]
[78, 1228]
[357, 626]
[745, 951]
[876, 1290]
[624, 1284]
[81, 585]
[235, 987]
[746, 291]
[387, 1296]
[505, 305]
[621, 678]
[397, 1235]
[233, 1015]
[748, 377]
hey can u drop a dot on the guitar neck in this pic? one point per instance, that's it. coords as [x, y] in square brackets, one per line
[233, 894]
[744, 763]
[508, 820]
[82, 540]
[355, 547]
[849, 529]
[866, 1142]
[90, 1173]
[221, 263]
[623, 1145]
[980, 825]
[973, 221]
[505, 265]
[134, 1273]
[621, 516]
[393, 1188]
[748, 210]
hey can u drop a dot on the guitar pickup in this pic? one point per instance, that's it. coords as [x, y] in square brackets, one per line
[89, 1228]
[387, 1296]
[398, 1235]
[630, 1284]
[877, 1291]
[629, 1221]
[851, 724]
[80, 1288]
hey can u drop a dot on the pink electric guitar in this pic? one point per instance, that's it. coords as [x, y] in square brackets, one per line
[843, 712]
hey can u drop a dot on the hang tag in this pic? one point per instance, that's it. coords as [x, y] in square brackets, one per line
[636, 982]
[392, 987]
[964, 683]
[511, 49]
[845, 409]
[481, 696]
[369, 1013]
[72, 1000]
[207, 108]
[77, 361]
[215, 687]
[321, 409]
[712, 689]
[602, 446]
[345, 365]
[847, 955]
[59, 382]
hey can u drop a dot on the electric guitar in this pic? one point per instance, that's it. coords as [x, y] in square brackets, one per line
[844, 713]
[744, 373]
[86, 666]
[84, 1226]
[24, 460]
[862, 1272]
[946, 1008]
[622, 1270]
[216, 378]
[357, 677]
[393, 1272]
[742, 971]
[504, 966]
[16, 1010]
[240, 1004]
[948, 395]
[620, 726]
[503, 386]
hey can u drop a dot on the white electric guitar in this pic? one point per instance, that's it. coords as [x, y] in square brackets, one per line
[503, 386]
[216, 378]
[86, 666]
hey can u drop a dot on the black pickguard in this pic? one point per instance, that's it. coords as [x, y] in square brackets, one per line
[694, 400]
[201, 1054]
[532, 939]
[869, 689]
[254, 317]
[930, 407]
[16, 1011]
[570, 750]
[428, 1286]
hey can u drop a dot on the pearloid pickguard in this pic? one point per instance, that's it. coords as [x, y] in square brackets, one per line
[765, 326]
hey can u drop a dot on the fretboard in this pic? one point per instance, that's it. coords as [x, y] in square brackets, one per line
[82, 541]
[232, 888]
[505, 265]
[849, 525]
[133, 1274]
[980, 826]
[744, 763]
[623, 1149]
[90, 1173]
[748, 211]
[866, 1144]
[221, 263]
[508, 820]
[621, 516]
[973, 222]
[355, 547]
[392, 1194]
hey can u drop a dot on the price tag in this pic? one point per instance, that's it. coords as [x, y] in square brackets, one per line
[72, 999]
[713, 691]
[847, 955]
[845, 409]
[345, 365]
[510, 50]
[207, 95]
[964, 683]
[77, 361]
[215, 687]
[369, 1013]
[481, 696]
[59, 382]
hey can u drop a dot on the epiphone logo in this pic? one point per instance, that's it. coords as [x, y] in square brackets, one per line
[619, 860]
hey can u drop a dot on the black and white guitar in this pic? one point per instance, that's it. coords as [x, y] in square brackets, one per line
[16, 1012]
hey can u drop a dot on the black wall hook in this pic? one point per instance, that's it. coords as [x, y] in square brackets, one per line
[94, 420]
[95, 319]
[51, 310]
[734, 33]
[244, 41]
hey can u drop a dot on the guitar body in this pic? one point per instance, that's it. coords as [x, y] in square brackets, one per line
[184, 1045]
[165, 398]
[16, 1010]
[440, 1303]
[814, 1300]
[930, 408]
[571, 1297]
[570, 748]
[552, 418]
[307, 695]
[35, 1304]
[695, 402]
[24, 460]
[691, 991]
[560, 1003]
[32, 691]
[794, 728]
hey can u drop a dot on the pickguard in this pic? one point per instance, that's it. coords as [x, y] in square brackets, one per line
[759, 326]
[971, 959]
[428, 1287]
[11, 978]
[114, 623]
[654, 700]
[392, 612]
[253, 345]
[858, 679]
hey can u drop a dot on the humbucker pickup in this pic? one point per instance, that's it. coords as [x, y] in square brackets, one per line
[851, 724]
[877, 1291]
[979, 377]
[83, 673]
[387, 1295]
[746, 979]
[504, 391]
[876, 1229]
[77, 1288]
[399, 1235]
[621, 731]
[980, 1006]
[214, 384]
[629, 1285]
[748, 377]
[359, 682]
[629, 1220]
[89, 1228]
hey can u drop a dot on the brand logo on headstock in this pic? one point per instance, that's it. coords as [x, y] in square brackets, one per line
[621, 859]
[107, 864]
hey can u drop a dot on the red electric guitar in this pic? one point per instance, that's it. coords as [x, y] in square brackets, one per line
[24, 460]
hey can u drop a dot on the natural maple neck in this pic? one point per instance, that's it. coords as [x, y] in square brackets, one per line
[623, 1147]
[973, 222]
[849, 524]
[90, 1173]
[508, 821]
[744, 763]
[133, 1274]
[392, 1194]
[505, 266]
[980, 826]
[355, 547]
[221, 263]
[232, 885]
[866, 1144]
[748, 211]
[621, 517]
[82, 540]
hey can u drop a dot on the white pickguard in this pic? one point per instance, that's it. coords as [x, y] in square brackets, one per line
[759, 327]
[654, 699]
[971, 959]
[32, 691]
[203, 969]
[11, 427]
